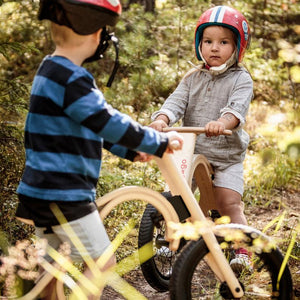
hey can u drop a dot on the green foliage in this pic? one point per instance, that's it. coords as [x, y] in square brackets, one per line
[13, 99]
[271, 166]
[117, 172]
[154, 57]
[16, 46]
[144, 76]
[271, 172]
[3, 244]
[11, 168]
[154, 54]
[268, 87]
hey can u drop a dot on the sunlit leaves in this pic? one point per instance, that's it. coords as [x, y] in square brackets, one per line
[22, 261]
[295, 74]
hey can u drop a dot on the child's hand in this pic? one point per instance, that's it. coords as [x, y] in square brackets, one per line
[143, 157]
[175, 141]
[214, 128]
[158, 125]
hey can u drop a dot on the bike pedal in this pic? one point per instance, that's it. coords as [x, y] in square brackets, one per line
[214, 214]
[179, 205]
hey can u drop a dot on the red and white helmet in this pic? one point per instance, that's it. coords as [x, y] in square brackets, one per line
[229, 18]
[83, 16]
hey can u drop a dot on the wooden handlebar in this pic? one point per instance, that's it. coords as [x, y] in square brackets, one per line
[196, 130]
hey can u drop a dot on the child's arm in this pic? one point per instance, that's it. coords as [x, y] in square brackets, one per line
[160, 122]
[134, 156]
[227, 121]
[143, 157]
[174, 107]
[126, 153]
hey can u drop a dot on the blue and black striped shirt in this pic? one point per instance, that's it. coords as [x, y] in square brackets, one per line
[68, 123]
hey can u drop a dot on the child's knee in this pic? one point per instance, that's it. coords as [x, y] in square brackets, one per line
[231, 203]
[110, 263]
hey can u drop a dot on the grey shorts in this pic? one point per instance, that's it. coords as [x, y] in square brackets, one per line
[230, 178]
[90, 231]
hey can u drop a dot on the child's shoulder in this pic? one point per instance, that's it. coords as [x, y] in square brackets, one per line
[195, 70]
[242, 68]
[60, 64]
[239, 71]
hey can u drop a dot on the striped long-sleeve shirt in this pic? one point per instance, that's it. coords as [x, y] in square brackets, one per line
[68, 123]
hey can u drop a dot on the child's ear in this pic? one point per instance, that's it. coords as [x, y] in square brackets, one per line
[98, 35]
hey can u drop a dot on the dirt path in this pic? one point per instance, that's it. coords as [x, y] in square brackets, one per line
[258, 217]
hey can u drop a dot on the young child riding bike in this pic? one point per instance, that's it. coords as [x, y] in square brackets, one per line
[216, 95]
[68, 124]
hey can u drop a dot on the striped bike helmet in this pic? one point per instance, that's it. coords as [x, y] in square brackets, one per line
[229, 18]
[82, 16]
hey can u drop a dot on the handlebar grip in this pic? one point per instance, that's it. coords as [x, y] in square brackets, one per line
[175, 145]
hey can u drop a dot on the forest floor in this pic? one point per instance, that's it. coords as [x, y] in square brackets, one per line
[258, 217]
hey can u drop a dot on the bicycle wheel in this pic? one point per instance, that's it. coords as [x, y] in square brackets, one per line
[193, 279]
[158, 269]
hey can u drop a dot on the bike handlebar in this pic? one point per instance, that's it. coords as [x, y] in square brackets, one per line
[196, 130]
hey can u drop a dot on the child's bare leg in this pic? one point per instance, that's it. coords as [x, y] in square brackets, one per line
[88, 273]
[49, 292]
[229, 203]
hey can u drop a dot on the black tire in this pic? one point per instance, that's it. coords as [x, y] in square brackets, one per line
[158, 269]
[193, 279]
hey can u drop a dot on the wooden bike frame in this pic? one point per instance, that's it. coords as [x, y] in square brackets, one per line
[179, 183]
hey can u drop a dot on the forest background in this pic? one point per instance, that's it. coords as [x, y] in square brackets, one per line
[156, 44]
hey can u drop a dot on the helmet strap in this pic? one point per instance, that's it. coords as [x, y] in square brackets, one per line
[222, 68]
[199, 49]
[115, 41]
[102, 47]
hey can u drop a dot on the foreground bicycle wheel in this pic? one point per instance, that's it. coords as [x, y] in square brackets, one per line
[193, 279]
[158, 269]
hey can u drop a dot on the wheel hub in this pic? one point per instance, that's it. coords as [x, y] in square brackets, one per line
[225, 291]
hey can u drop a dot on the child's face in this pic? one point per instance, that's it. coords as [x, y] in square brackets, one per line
[218, 44]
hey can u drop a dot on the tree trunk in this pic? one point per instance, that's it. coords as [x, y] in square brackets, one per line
[150, 6]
